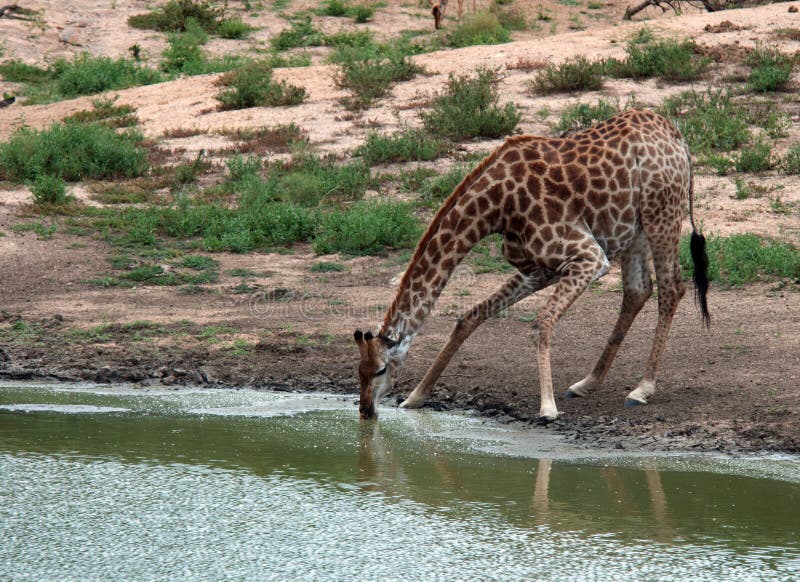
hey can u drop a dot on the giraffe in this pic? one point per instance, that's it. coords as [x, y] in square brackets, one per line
[439, 7]
[565, 207]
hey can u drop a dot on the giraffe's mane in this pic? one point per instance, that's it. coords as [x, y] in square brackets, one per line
[433, 227]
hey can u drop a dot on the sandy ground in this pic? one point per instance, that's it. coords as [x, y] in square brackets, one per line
[733, 388]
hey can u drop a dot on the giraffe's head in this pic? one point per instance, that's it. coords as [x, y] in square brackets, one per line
[438, 14]
[375, 371]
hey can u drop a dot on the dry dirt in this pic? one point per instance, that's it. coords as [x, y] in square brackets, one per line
[733, 388]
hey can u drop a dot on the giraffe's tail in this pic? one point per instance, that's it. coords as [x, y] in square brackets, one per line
[697, 247]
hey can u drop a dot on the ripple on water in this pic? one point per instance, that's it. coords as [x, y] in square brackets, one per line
[109, 520]
[62, 408]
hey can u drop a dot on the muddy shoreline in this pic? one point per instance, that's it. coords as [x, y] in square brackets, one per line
[654, 429]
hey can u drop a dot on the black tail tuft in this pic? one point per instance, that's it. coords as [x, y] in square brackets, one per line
[697, 245]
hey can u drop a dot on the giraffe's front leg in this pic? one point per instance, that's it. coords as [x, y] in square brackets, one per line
[516, 288]
[577, 275]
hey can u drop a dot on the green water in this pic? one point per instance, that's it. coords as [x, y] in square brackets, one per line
[126, 484]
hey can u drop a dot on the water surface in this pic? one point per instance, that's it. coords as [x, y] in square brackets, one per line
[123, 483]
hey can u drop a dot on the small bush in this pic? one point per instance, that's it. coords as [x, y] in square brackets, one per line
[369, 78]
[411, 145]
[327, 267]
[185, 56]
[755, 157]
[791, 161]
[582, 115]
[234, 28]
[367, 228]
[667, 59]
[719, 162]
[174, 15]
[72, 152]
[745, 258]
[252, 86]
[362, 13]
[49, 190]
[770, 70]
[301, 33]
[469, 108]
[335, 8]
[480, 28]
[19, 72]
[510, 17]
[576, 74]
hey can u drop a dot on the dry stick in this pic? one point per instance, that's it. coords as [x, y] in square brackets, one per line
[8, 9]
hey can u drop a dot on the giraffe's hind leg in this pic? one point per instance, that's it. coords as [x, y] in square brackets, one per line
[671, 289]
[637, 287]
[516, 288]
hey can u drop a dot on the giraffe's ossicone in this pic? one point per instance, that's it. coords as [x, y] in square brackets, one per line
[565, 207]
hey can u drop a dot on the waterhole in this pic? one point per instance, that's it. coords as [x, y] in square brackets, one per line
[121, 483]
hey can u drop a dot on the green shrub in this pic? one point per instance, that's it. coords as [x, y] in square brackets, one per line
[576, 74]
[86, 75]
[366, 228]
[719, 162]
[440, 187]
[326, 267]
[666, 59]
[368, 78]
[744, 258]
[469, 108]
[362, 13]
[185, 56]
[582, 115]
[791, 161]
[411, 145]
[252, 86]
[301, 33]
[509, 16]
[755, 157]
[234, 28]
[770, 70]
[709, 121]
[174, 15]
[48, 190]
[72, 152]
[335, 8]
[479, 28]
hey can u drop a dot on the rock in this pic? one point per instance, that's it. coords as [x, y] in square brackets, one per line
[792, 9]
[70, 35]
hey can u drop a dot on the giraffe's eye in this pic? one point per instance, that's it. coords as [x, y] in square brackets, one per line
[381, 371]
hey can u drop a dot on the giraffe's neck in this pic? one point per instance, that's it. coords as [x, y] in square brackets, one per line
[456, 228]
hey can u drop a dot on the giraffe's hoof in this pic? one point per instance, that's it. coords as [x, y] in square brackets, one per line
[570, 394]
[630, 402]
[412, 403]
[543, 419]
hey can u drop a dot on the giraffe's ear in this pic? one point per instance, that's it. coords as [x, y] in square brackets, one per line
[368, 336]
[358, 336]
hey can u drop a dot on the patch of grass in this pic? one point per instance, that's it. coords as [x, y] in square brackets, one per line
[199, 263]
[743, 189]
[86, 75]
[469, 108]
[174, 15]
[414, 180]
[410, 145]
[252, 86]
[582, 115]
[234, 28]
[487, 256]
[369, 74]
[280, 138]
[49, 190]
[667, 59]
[301, 33]
[576, 74]
[361, 13]
[710, 122]
[19, 72]
[744, 258]
[479, 28]
[510, 16]
[246, 273]
[367, 227]
[720, 163]
[327, 267]
[72, 152]
[754, 157]
[42, 230]
[106, 112]
[770, 70]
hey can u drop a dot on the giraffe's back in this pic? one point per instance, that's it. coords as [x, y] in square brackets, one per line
[605, 178]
